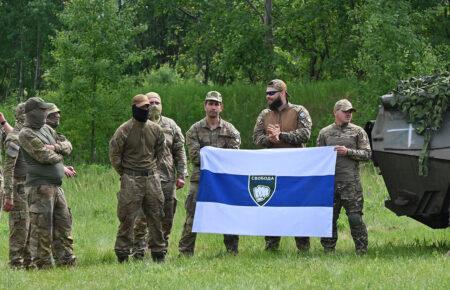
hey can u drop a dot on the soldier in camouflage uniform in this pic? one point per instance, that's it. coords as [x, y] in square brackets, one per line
[282, 125]
[16, 199]
[172, 172]
[53, 120]
[210, 131]
[352, 145]
[5, 129]
[135, 151]
[50, 219]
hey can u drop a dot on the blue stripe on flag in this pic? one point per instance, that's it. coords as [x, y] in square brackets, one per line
[306, 191]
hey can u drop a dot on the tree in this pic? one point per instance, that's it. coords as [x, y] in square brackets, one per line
[391, 46]
[92, 52]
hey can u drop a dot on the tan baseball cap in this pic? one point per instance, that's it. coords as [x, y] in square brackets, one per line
[278, 85]
[53, 109]
[213, 96]
[140, 100]
[343, 105]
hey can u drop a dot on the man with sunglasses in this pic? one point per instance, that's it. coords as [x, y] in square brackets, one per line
[135, 150]
[172, 172]
[282, 125]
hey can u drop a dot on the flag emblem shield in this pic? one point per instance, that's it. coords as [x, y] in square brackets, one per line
[262, 188]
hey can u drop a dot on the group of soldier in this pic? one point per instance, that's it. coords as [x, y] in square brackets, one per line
[40, 221]
[147, 151]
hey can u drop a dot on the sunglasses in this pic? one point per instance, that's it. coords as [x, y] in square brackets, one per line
[271, 93]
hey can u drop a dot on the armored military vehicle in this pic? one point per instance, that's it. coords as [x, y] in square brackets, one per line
[396, 149]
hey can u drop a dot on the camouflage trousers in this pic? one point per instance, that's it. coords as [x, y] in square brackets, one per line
[19, 224]
[350, 196]
[273, 243]
[139, 194]
[187, 241]
[50, 227]
[141, 236]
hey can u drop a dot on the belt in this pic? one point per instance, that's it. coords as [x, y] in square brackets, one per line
[137, 172]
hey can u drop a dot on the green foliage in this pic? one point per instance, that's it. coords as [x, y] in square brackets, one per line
[391, 45]
[183, 102]
[425, 101]
[403, 254]
[91, 53]
[164, 75]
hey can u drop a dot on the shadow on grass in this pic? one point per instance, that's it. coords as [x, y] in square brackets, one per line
[416, 248]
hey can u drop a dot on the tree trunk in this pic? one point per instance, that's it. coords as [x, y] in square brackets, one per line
[37, 71]
[206, 70]
[312, 66]
[268, 37]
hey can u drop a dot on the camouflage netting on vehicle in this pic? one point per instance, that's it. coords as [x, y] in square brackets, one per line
[425, 101]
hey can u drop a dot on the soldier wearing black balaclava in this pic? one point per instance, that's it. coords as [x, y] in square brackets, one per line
[50, 220]
[172, 171]
[135, 150]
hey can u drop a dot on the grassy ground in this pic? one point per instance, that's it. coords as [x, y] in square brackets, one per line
[402, 252]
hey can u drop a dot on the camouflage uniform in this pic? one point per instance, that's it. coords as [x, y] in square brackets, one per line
[134, 151]
[50, 218]
[2, 140]
[197, 137]
[19, 216]
[348, 191]
[295, 125]
[172, 166]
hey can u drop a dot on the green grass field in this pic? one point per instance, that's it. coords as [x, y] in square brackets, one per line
[402, 252]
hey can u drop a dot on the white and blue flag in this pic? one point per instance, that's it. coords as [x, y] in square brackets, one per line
[269, 192]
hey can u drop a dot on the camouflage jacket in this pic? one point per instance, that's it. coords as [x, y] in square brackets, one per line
[357, 142]
[173, 162]
[200, 135]
[295, 124]
[136, 146]
[15, 166]
[44, 166]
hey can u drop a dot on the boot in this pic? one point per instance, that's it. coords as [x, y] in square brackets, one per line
[158, 257]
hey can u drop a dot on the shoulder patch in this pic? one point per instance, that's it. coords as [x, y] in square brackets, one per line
[13, 149]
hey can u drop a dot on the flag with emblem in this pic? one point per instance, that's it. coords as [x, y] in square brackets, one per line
[269, 192]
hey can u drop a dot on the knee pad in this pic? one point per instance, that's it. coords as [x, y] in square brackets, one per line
[355, 219]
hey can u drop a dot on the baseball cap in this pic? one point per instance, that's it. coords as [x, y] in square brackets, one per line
[343, 105]
[278, 85]
[214, 96]
[35, 103]
[53, 109]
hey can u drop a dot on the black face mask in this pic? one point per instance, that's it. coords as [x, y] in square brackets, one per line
[276, 104]
[139, 114]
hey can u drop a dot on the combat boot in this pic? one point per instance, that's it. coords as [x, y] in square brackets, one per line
[138, 256]
[233, 251]
[158, 257]
[329, 250]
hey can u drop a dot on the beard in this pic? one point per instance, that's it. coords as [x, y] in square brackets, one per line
[275, 104]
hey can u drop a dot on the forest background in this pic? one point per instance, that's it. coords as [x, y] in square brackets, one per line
[91, 56]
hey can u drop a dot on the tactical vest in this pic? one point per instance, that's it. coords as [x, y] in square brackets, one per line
[287, 119]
